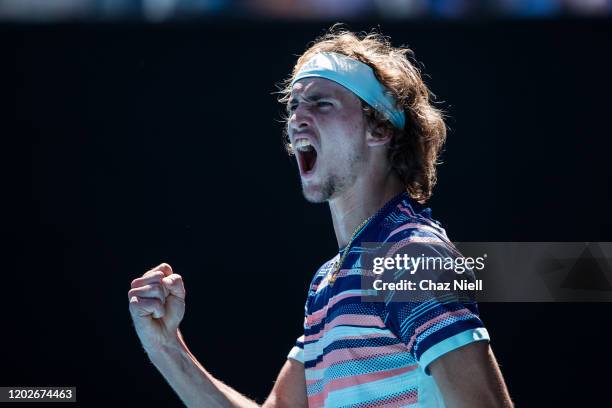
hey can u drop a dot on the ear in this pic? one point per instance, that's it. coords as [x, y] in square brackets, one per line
[378, 135]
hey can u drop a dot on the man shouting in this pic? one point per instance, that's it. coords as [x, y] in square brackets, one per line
[366, 138]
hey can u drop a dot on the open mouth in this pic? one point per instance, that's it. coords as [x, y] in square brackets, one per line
[307, 155]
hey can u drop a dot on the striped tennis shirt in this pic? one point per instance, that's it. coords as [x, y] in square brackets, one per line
[376, 354]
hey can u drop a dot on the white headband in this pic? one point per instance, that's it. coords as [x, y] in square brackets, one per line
[357, 77]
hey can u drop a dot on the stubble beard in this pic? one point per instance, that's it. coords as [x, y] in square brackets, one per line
[335, 185]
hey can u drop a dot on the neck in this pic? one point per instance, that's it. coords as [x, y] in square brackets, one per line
[359, 202]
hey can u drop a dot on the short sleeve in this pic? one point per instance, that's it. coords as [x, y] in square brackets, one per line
[297, 352]
[432, 323]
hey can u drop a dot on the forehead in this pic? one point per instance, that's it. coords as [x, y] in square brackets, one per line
[320, 86]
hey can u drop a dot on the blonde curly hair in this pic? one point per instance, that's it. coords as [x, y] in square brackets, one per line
[414, 150]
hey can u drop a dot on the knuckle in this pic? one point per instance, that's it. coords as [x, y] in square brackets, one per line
[155, 278]
[165, 267]
[150, 274]
[135, 304]
[152, 278]
[173, 282]
[138, 282]
[148, 291]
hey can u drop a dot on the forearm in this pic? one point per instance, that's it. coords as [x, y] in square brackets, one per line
[194, 385]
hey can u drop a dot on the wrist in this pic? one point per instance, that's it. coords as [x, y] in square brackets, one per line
[167, 346]
[167, 356]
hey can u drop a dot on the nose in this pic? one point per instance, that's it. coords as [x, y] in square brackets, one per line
[300, 118]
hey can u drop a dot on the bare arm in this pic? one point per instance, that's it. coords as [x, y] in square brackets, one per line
[197, 387]
[157, 306]
[470, 377]
[194, 385]
[290, 388]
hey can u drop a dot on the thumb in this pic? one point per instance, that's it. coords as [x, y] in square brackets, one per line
[175, 301]
[174, 284]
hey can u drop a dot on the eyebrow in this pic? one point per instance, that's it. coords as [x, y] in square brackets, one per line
[311, 98]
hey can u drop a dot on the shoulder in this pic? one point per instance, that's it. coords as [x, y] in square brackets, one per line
[410, 225]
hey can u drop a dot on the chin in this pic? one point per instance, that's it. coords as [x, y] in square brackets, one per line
[319, 192]
[315, 193]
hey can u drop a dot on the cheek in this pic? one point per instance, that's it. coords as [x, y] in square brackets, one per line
[342, 136]
[342, 150]
[346, 128]
[353, 123]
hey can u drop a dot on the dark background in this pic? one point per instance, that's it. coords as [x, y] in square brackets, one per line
[124, 145]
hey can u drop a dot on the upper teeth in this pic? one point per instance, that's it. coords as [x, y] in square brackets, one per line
[302, 144]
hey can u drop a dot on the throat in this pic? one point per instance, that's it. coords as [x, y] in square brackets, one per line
[357, 206]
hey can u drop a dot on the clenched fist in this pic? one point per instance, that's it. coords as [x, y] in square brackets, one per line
[157, 306]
